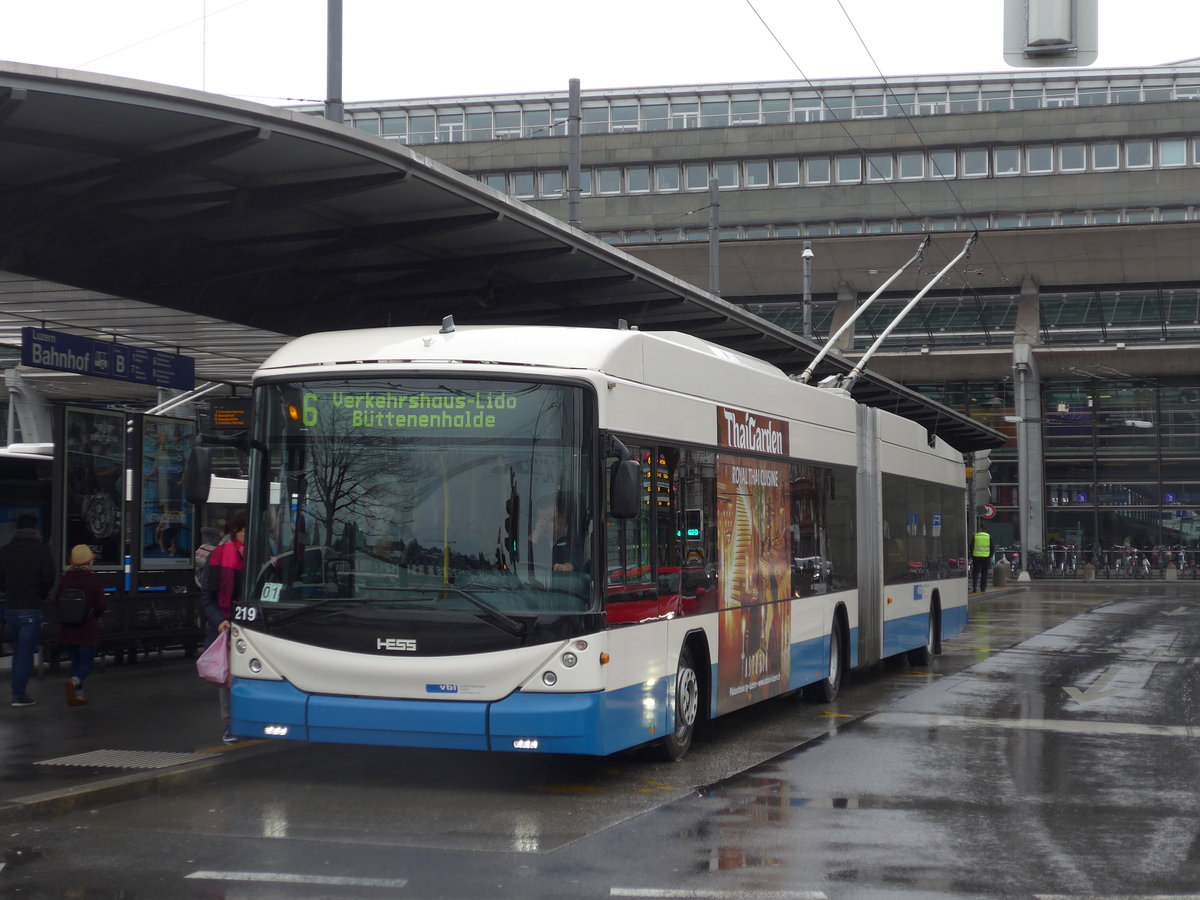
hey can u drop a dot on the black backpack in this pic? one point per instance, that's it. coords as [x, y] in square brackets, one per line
[71, 606]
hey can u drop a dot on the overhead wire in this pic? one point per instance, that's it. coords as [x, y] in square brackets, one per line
[890, 95]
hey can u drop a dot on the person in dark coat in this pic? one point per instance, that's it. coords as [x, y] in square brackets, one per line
[222, 589]
[27, 573]
[82, 640]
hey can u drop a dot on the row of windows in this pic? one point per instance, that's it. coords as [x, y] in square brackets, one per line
[901, 226]
[857, 168]
[492, 120]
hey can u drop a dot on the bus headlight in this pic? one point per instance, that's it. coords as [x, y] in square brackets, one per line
[569, 659]
[256, 665]
[239, 645]
[549, 679]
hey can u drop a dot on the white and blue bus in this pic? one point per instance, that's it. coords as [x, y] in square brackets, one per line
[568, 540]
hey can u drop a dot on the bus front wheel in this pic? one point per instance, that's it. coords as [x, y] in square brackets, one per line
[687, 708]
[826, 690]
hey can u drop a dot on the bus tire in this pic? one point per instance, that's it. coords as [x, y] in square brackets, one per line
[826, 690]
[675, 745]
[923, 656]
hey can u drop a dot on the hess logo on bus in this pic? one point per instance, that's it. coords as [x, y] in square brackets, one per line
[396, 645]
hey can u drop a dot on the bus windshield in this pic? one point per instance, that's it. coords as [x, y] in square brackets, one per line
[417, 494]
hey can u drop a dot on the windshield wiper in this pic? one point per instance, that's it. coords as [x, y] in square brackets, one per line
[288, 615]
[506, 623]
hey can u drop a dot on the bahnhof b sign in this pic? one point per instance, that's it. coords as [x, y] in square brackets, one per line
[45, 349]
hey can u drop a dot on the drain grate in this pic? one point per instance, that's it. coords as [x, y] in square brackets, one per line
[126, 759]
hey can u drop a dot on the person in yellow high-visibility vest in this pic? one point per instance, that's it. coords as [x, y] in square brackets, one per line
[981, 559]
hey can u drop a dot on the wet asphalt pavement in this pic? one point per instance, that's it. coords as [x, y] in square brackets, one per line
[1050, 752]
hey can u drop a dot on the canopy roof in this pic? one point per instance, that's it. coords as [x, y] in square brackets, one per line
[186, 221]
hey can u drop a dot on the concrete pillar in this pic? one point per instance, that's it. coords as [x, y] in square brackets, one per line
[30, 409]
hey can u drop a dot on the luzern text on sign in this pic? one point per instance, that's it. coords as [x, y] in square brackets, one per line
[753, 432]
[46, 349]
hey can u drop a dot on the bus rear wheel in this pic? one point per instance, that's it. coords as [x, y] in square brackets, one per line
[923, 656]
[687, 707]
[826, 690]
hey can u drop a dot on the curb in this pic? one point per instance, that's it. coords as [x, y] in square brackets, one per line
[250, 757]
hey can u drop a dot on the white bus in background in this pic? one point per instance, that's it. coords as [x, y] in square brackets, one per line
[545, 539]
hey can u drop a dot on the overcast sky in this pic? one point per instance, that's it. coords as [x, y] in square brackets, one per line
[273, 51]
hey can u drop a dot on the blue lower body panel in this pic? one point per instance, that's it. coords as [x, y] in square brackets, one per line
[594, 723]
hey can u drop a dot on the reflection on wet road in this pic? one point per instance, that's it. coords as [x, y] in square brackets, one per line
[1051, 752]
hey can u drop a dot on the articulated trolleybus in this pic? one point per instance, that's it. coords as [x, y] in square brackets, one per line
[571, 540]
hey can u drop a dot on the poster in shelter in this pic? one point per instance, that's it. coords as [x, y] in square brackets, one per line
[166, 522]
[94, 483]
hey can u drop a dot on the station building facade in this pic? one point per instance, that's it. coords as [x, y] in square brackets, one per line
[1076, 313]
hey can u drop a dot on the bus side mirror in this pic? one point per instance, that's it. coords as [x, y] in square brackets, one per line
[197, 475]
[624, 491]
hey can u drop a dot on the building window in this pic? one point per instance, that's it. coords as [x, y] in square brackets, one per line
[420, 129]
[816, 170]
[1073, 219]
[964, 102]
[1072, 157]
[1039, 160]
[849, 169]
[728, 175]
[787, 171]
[776, 112]
[745, 112]
[497, 180]
[624, 118]
[537, 122]
[594, 120]
[368, 122]
[942, 164]
[1106, 218]
[1171, 152]
[1139, 154]
[1106, 155]
[654, 117]
[758, 173]
[1139, 215]
[974, 163]
[696, 177]
[880, 228]
[943, 224]
[522, 184]
[879, 167]
[1006, 160]
[714, 113]
[685, 115]
[808, 110]
[912, 165]
[508, 123]
[1008, 221]
[850, 228]
[608, 181]
[666, 178]
[1039, 220]
[637, 179]
[1173, 215]
[552, 183]
[395, 127]
[479, 126]
[869, 106]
